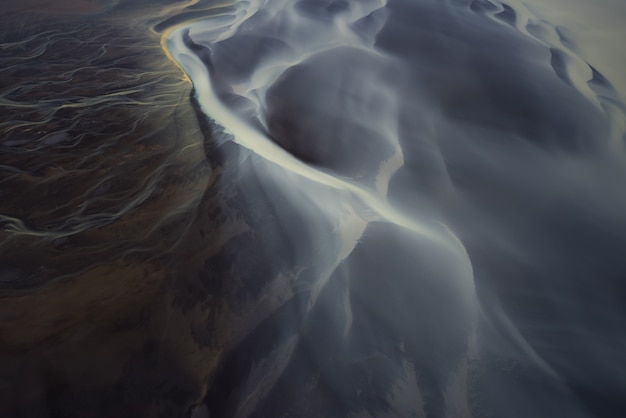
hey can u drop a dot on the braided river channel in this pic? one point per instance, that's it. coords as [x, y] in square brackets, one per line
[312, 208]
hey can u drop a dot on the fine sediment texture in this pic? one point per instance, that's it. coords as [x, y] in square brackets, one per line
[104, 183]
[308, 208]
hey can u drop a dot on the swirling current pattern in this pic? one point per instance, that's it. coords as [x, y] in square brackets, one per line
[356, 209]
[452, 151]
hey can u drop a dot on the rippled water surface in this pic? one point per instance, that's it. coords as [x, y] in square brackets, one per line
[312, 208]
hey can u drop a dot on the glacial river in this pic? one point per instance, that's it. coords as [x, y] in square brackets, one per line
[319, 208]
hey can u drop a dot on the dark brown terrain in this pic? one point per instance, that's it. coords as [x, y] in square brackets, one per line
[109, 300]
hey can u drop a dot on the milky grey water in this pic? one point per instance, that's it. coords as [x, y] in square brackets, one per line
[312, 208]
[447, 179]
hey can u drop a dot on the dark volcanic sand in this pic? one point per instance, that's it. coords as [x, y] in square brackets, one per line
[363, 209]
[113, 238]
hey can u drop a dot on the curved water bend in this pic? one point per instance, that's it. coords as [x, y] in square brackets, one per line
[364, 200]
[384, 123]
